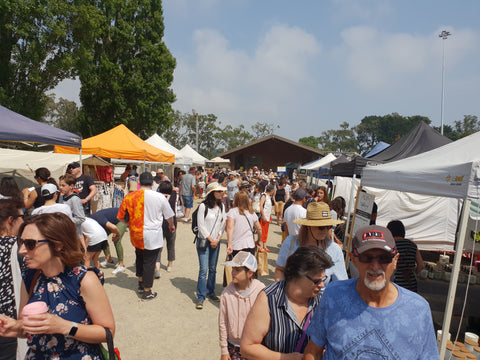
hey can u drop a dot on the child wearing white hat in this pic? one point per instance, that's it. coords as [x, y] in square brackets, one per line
[235, 303]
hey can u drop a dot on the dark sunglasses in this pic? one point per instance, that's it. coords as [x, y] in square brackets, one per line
[324, 227]
[382, 259]
[317, 282]
[18, 216]
[30, 244]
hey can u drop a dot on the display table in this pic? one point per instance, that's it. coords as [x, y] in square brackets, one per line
[435, 292]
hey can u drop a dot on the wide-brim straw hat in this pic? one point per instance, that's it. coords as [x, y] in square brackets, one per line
[215, 187]
[318, 214]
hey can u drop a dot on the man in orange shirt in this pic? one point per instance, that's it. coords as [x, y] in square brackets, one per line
[145, 210]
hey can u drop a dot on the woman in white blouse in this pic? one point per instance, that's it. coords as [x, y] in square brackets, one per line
[211, 225]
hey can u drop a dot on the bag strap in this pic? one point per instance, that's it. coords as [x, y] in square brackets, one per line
[111, 348]
[251, 229]
[298, 348]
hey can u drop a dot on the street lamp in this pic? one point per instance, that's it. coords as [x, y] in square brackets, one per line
[444, 35]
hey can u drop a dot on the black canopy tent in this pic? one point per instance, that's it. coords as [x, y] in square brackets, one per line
[16, 127]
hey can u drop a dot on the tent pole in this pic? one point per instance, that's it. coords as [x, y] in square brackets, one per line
[80, 160]
[350, 201]
[447, 316]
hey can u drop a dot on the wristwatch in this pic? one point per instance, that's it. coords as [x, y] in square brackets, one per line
[73, 330]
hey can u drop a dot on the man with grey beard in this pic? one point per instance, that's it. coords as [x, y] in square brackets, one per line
[370, 317]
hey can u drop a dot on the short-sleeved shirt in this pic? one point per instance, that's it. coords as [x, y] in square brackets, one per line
[336, 272]
[294, 212]
[350, 329]
[106, 215]
[188, 180]
[82, 186]
[146, 210]
[243, 236]
[93, 231]
[404, 274]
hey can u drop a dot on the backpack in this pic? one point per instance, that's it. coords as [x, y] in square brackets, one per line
[195, 221]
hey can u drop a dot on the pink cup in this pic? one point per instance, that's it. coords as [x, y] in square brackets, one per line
[34, 308]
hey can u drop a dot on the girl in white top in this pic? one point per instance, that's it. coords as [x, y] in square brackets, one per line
[241, 223]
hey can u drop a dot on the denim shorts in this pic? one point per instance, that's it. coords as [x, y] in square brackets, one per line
[187, 201]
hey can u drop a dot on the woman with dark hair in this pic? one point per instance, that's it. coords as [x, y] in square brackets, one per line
[33, 197]
[272, 331]
[78, 306]
[322, 195]
[241, 225]
[9, 188]
[11, 217]
[166, 188]
[211, 224]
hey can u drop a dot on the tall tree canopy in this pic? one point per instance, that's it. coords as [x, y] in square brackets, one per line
[125, 68]
[35, 52]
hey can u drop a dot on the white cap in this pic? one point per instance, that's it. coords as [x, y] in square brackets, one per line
[49, 188]
[243, 258]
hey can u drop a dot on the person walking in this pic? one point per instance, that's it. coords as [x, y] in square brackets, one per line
[187, 190]
[211, 225]
[146, 210]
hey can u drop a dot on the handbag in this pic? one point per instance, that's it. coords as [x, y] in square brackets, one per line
[262, 261]
[227, 272]
[203, 243]
[111, 353]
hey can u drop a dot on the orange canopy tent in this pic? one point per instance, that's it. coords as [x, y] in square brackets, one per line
[119, 143]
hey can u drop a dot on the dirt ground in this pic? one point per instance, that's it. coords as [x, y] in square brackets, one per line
[169, 327]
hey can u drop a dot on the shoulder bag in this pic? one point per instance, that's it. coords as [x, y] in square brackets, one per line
[203, 242]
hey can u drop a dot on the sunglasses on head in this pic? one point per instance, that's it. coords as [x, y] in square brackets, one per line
[382, 259]
[30, 244]
[316, 282]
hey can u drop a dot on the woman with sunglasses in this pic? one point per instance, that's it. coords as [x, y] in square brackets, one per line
[11, 217]
[314, 231]
[271, 332]
[78, 306]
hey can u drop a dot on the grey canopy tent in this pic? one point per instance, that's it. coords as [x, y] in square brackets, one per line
[16, 127]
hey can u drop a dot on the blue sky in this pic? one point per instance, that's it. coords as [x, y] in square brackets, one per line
[310, 65]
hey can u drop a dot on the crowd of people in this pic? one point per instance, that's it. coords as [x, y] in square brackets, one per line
[312, 310]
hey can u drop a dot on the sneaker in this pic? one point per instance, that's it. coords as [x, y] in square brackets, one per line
[106, 263]
[169, 269]
[118, 269]
[213, 298]
[149, 295]
[186, 220]
[140, 287]
[157, 274]
[199, 305]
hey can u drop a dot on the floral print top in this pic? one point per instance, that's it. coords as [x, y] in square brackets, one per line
[7, 296]
[62, 295]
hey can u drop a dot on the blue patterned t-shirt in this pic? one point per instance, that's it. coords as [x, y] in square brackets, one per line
[350, 329]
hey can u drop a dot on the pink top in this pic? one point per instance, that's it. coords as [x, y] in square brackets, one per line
[234, 309]
[34, 308]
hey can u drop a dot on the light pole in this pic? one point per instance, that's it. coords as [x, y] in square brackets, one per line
[196, 128]
[444, 35]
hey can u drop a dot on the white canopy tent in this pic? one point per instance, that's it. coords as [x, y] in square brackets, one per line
[315, 165]
[22, 164]
[197, 159]
[158, 142]
[452, 170]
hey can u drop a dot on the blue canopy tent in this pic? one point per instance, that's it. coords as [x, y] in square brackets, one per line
[16, 127]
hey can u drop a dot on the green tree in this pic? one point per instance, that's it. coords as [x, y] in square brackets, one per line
[461, 128]
[230, 138]
[183, 132]
[35, 52]
[311, 141]
[260, 130]
[343, 140]
[125, 68]
[388, 128]
[63, 114]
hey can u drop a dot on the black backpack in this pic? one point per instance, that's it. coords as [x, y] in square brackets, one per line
[195, 221]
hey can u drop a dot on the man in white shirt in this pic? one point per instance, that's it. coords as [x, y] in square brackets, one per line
[295, 211]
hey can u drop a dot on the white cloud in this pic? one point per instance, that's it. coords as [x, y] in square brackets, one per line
[242, 88]
[374, 60]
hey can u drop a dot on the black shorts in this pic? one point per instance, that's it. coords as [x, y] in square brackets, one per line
[98, 247]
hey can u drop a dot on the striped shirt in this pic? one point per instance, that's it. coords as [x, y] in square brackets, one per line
[285, 330]
[405, 273]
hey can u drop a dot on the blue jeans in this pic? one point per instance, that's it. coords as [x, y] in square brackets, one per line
[208, 263]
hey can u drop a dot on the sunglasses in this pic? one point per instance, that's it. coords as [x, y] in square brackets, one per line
[18, 216]
[324, 227]
[382, 259]
[30, 244]
[317, 282]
